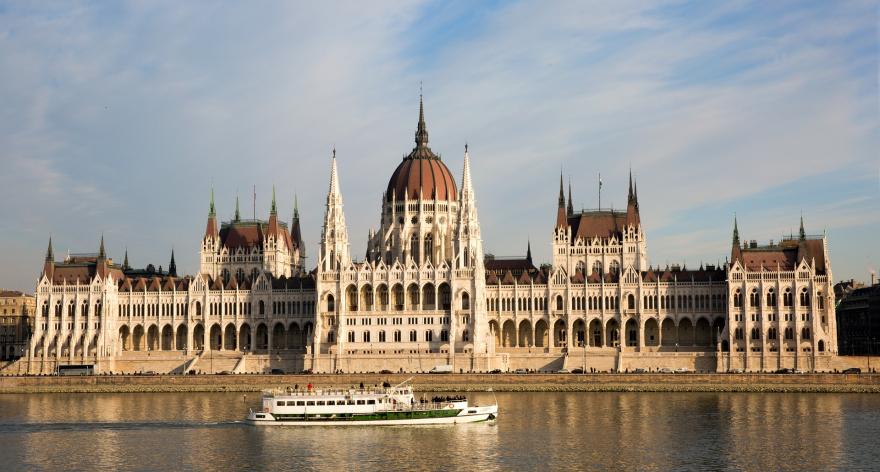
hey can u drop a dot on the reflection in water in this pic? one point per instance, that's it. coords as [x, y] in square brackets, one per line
[555, 431]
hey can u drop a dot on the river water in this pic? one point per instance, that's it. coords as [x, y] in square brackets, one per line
[535, 431]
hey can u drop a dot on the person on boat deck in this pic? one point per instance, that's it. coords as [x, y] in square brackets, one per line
[362, 385]
[309, 386]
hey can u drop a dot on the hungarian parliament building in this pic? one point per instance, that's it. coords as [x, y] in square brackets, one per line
[426, 295]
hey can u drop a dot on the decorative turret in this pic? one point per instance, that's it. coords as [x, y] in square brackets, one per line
[296, 234]
[470, 244]
[561, 215]
[273, 220]
[334, 239]
[237, 217]
[102, 266]
[632, 205]
[49, 264]
[802, 235]
[125, 265]
[211, 227]
[172, 266]
[736, 250]
[570, 207]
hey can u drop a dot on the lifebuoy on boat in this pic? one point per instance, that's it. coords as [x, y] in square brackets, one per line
[450, 405]
[265, 410]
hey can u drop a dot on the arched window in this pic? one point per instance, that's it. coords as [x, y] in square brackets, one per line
[631, 302]
[429, 335]
[465, 336]
[756, 335]
[239, 274]
[381, 336]
[429, 248]
[821, 346]
[805, 333]
[397, 337]
[465, 301]
[805, 297]
[255, 273]
[366, 336]
[331, 304]
[771, 333]
[786, 298]
[737, 299]
[738, 333]
[560, 305]
[331, 337]
[444, 336]
[820, 301]
[351, 336]
[413, 337]
[225, 276]
[754, 298]
[789, 333]
[614, 268]
[262, 306]
[414, 247]
[771, 297]
[597, 267]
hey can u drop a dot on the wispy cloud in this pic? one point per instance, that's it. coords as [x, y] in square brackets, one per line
[118, 117]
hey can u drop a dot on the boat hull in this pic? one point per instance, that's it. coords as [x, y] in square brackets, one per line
[471, 415]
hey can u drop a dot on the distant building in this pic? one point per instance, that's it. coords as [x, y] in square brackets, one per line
[858, 322]
[16, 322]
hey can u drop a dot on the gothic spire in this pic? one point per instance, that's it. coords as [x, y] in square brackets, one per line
[421, 130]
[125, 261]
[50, 254]
[237, 211]
[561, 192]
[102, 254]
[630, 197]
[570, 203]
[529, 251]
[295, 206]
[273, 209]
[211, 211]
[172, 266]
[735, 232]
[801, 233]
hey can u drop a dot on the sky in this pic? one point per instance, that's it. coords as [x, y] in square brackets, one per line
[119, 117]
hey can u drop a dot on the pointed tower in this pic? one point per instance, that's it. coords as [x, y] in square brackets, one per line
[570, 207]
[209, 252]
[334, 237]
[632, 206]
[802, 235]
[561, 215]
[237, 217]
[102, 267]
[172, 266]
[469, 255]
[125, 265]
[736, 249]
[296, 237]
[529, 251]
[49, 263]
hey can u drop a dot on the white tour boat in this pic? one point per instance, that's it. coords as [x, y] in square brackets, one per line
[381, 406]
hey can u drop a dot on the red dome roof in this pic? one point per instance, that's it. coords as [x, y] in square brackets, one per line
[422, 173]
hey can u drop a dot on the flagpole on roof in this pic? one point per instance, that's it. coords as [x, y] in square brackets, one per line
[600, 190]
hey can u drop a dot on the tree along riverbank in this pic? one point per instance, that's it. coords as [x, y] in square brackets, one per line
[826, 382]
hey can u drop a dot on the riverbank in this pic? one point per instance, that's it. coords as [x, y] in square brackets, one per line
[819, 383]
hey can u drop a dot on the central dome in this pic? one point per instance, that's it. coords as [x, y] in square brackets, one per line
[422, 173]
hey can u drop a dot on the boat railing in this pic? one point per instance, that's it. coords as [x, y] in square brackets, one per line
[335, 392]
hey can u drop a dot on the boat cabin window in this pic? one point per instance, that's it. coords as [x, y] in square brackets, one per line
[350, 402]
[310, 403]
[300, 403]
[371, 402]
[360, 402]
[331, 402]
[291, 403]
[320, 402]
[279, 403]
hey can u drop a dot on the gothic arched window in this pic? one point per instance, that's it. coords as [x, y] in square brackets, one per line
[429, 248]
[414, 247]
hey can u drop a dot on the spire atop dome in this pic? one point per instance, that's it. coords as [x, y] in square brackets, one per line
[274, 208]
[422, 129]
[172, 266]
[237, 211]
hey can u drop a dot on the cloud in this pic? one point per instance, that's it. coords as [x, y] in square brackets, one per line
[119, 117]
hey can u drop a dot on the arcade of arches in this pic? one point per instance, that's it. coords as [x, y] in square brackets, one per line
[685, 335]
[233, 337]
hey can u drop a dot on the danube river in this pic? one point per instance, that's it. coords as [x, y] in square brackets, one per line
[546, 431]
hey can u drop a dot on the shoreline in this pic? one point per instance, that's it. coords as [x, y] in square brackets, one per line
[768, 383]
